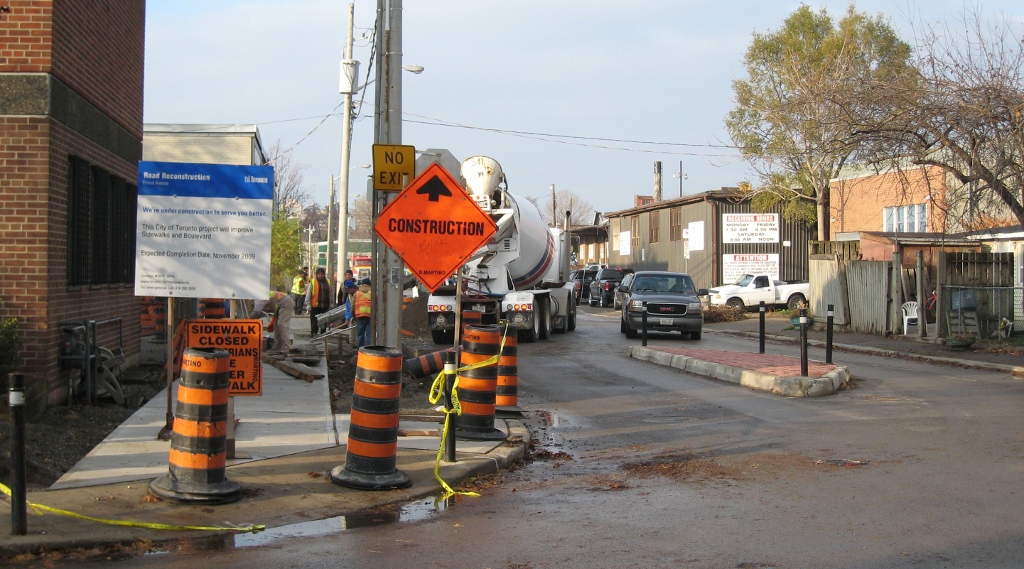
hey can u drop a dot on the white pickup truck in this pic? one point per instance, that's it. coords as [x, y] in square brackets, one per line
[750, 290]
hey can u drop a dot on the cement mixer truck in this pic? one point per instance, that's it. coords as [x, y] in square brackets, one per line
[520, 276]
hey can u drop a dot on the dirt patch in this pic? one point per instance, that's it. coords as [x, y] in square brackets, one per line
[58, 439]
[687, 467]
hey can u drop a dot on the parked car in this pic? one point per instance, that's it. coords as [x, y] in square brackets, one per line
[750, 289]
[581, 283]
[602, 289]
[617, 299]
[670, 301]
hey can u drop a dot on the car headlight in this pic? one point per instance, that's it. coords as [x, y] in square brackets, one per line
[636, 305]
[694, 307]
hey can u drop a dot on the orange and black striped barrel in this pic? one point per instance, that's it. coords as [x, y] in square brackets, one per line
[425, 365]
[507, 394]
[212, 308]
[153, 316]
[372, 450]
[477, 386]
[471, 318]
[199, 441]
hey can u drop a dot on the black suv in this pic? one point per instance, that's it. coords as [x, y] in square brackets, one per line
[581, 283]
[602, 290]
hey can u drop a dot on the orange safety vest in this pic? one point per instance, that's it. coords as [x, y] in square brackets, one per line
[314, 295]
[361, 304]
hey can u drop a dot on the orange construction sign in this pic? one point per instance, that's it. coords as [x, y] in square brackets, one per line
[243, 340]
[434, 226]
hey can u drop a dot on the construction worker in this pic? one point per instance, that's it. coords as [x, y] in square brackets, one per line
[282, 306]
[299, 282]
[361, 308]
[319, 299]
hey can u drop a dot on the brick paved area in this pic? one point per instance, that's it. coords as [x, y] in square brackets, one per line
[780, 366]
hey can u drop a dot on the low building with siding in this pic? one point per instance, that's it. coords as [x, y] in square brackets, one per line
[713, 236]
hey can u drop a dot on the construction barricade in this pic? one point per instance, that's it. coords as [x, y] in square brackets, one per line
[507, 393]
[477, 384]
[198, 453]
[372, 449]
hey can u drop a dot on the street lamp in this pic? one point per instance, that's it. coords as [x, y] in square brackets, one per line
[682, 176]
[309, 246]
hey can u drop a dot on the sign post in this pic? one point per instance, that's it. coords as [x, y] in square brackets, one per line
[203, 231]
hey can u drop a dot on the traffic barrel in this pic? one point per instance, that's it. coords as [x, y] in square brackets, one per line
[425, 365]
[471, 318]
[478, 384]
[507, 393]
[199, 439]
[212, 308]
[372, 449]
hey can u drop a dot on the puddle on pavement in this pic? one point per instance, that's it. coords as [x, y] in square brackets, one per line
[417, 511]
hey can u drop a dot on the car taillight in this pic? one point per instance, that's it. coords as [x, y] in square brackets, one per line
[607, 286]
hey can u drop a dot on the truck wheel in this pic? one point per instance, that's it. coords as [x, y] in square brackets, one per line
[544, 311]
[530, 336]
[695, 335]
[442, 337]
[571, 319]
[795, 301]
[602, 301]
[735, 303]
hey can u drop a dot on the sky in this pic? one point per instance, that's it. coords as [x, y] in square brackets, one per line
[585, 95]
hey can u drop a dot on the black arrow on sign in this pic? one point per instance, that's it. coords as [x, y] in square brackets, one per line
[434, 188]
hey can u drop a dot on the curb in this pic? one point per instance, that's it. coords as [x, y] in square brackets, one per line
[1012, 369]
[786, 386]
[299, 508]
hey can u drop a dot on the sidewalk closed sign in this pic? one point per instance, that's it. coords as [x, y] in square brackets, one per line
[243, 341]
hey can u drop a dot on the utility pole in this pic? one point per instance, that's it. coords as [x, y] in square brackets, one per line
[348, 85]
[387, 273]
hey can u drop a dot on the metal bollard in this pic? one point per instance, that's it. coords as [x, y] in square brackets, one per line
[828, 333]
[449, 371]
[760, 310]
[19, 511]
[803, 342]
[643, 327]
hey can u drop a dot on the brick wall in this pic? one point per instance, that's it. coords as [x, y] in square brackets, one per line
[857, 203]
[95, 49]
[99, 51]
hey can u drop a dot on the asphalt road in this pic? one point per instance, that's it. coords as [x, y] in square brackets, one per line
[919, 466]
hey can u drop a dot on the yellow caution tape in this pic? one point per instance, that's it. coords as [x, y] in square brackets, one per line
[434, 396]
[40, 508]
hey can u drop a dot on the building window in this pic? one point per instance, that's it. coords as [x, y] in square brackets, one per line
[78, 221]
[675, 224]
[655, 226]
[634, 232]
[905, 219]
[101, 226]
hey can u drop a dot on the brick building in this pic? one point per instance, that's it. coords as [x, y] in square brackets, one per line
[919, 199]
[71, 91]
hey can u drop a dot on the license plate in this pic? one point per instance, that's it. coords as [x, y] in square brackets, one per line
[665, 321]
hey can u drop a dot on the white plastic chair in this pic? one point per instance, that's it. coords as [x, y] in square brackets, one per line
[909, 315]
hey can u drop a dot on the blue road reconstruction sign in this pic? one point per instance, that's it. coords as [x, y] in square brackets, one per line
[204, 230]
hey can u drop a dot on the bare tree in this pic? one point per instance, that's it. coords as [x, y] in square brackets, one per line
[362, 213]
[290, 193]
[961, 113]
[314, 215]
[581, 212]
